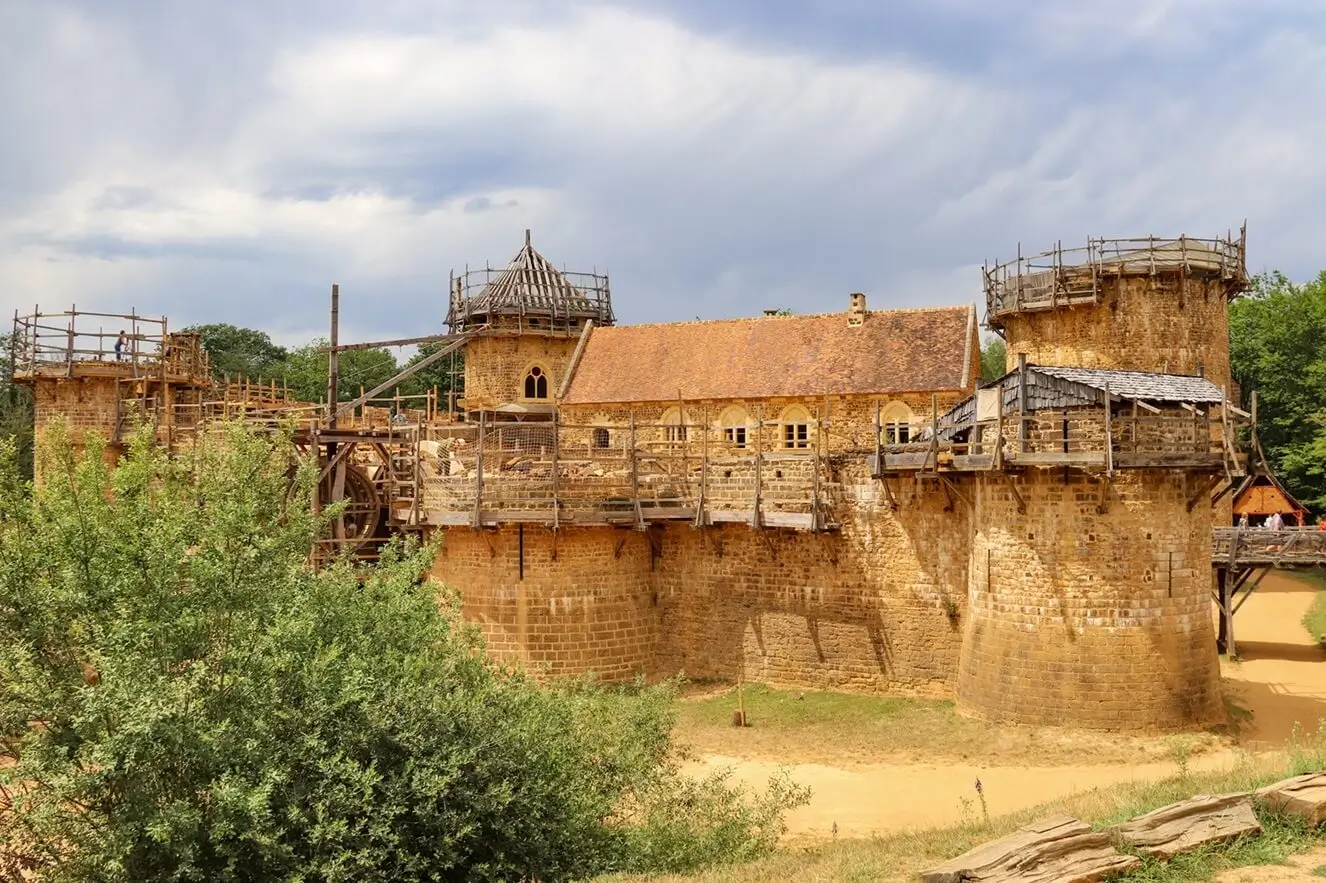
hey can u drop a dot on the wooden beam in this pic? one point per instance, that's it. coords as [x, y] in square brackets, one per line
[1204, 490]
[459, 341]
[1017, 497]
[376, 344]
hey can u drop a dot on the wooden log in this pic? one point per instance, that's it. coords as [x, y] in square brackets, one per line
[1190, 824]
[1303, 796]
[1057, 849]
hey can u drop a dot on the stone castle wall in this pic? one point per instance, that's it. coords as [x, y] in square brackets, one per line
[587, 601]
[84, 404]
[1141, 323]
[1092, 606]
[877, 606]
[495, 366]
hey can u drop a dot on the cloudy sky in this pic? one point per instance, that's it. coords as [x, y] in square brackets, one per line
[228, 161]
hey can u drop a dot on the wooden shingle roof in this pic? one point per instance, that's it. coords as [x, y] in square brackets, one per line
[890, 352]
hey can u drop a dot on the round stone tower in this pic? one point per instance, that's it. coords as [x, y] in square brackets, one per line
[1151, 304]
[535, 314]
[1090, 573]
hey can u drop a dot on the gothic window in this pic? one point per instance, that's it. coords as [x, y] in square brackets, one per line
[674, 425]
[735, 425]
[601, 438]
[896, 421]
[795, 421]
[536, 384]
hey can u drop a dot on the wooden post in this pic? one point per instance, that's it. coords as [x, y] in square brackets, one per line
[997, 462]
[879, 444]
[333, 358]
[478, 476]
[635, 472]
[556, 505]
[934, 431]
[815, 523]
[1109, 433]
[700, 519]
[1022, 402]
[755, 520]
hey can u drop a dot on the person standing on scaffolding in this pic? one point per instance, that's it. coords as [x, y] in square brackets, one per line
[120, 343]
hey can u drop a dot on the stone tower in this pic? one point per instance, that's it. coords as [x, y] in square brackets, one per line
[107, 375]
[535, 314]
[1149, 304]
[1089, 584]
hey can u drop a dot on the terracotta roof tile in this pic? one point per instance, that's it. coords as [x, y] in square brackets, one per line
[892, 351]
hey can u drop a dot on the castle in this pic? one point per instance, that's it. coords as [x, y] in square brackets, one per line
[827, 501]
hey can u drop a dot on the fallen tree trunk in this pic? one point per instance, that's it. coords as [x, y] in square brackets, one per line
[1302, 796]
[1180, 827]
[1058, 849]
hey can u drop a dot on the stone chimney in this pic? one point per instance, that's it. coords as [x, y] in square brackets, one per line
[856, 311]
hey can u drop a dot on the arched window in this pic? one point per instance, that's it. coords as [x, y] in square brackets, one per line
[734, 424]
[601, 438]
[674, 425]
[896, 421]
[795, 421]
[536, 384]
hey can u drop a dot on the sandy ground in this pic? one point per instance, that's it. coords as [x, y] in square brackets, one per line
[1280, 682]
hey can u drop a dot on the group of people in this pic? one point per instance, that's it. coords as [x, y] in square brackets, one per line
[1275, 521]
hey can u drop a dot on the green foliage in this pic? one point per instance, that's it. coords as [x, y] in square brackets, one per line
[183, 698]
[306, 371]
[993, 356]
[241, 352]
[1315, 619]
[439, 374]
[15, 412]
[1278, 348]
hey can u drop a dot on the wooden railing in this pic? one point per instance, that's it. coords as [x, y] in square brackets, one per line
[1289, 547]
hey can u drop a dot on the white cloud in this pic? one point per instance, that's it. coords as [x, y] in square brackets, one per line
[713, 177]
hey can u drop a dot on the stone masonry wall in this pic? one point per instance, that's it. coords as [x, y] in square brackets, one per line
[85, 404]
[590, 608]
[876, 607]
[1092, 607]
[1141, 323]
[495, 366]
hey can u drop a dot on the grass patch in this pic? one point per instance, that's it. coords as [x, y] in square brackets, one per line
[796, 726]
[900, 856]
[1315, 619]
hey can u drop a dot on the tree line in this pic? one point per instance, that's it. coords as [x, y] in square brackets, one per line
[1278, 349]
[245, 352]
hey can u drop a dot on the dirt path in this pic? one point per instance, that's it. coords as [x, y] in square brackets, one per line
[1280, 681]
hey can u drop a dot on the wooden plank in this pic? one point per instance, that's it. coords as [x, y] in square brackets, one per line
[1058, 458]
[1058, 849]
[1190, 824]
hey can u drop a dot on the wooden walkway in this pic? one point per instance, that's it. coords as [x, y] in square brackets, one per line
[1243, 556]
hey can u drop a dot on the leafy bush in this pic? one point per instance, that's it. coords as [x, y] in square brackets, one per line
[183, 698]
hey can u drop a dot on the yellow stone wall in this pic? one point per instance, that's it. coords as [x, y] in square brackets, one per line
[84, 404]
[496, 365]
[1093, 606]
[1141, 323]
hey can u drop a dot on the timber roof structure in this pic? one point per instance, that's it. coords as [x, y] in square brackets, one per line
[890, 352]
[529, 286]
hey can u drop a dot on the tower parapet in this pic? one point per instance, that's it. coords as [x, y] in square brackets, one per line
[107, 372]
[1149, 304]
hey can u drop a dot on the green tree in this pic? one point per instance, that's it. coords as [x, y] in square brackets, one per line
[16, 412]
[185, 699]
[241, 352]
[993, 359]
[306, 371]
[446, 374]
[1278, 349]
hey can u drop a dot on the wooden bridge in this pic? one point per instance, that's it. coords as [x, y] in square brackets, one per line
[1243, 556]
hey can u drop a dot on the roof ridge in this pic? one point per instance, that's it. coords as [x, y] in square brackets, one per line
[839, 313]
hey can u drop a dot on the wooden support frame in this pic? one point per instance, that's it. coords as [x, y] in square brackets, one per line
[1017, 497]
[1204, 490]
[950, 487]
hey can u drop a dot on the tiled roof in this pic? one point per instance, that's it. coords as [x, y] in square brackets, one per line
[1140, 384]
[892, 351]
